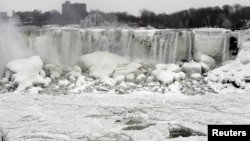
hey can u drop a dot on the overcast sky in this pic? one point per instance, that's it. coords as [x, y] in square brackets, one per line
[130, 6]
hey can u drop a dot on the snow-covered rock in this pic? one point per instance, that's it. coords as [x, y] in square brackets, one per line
[80, 80]
[132, 67]
[5, 81]
[42, 73]
[130, 77]
[16, 65]
[205, 68]
[192, 67]
[119, 78]
[54, 71]
[140, 78]
[77, 69]
[73, 75]
[196, 76]
[63, 83]
[166, 77]
[48, 79]
[209, 61]
[166, 73]
[177, 76]
[101, 64]
[245, 61]
[175, 87]
[7, 74]
[35, 90]
[182, 75]
[27, 72]
[150, 79]
[121, 88]
[108, 82]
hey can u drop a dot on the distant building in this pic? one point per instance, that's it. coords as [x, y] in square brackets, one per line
[73, 13]
[3, 15]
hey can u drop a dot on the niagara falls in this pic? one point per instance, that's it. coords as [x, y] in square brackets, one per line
[85, 75]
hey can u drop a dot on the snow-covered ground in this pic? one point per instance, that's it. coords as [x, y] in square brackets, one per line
[106, 117]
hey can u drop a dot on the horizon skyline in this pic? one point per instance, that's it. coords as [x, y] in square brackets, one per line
[46, 5]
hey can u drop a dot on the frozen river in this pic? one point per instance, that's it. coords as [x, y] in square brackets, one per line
[110, 117]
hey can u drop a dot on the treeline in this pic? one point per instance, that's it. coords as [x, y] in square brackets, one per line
[231, 17]
[39, 18]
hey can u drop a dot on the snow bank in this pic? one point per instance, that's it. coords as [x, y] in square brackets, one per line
[101, 64]
[234, 72]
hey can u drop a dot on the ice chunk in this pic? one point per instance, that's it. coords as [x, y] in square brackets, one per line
[192, 67]
[209, 61]
[140, 78]
[119, 78]
[28, 72]
[196, 76]
[54, 71]
[63, 83]
[16, 65]
[130, 77]
[130, 68]
[166, 77]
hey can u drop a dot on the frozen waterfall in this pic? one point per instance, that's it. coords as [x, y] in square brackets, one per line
[64, 45]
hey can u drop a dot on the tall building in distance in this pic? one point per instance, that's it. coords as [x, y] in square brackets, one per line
[73, 13]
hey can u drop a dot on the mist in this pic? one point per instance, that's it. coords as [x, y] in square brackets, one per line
[12, 45]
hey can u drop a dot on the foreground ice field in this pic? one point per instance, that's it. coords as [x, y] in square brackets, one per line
[110, 117]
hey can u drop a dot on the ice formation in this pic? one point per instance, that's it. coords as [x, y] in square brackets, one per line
[158, 46]
[101, 64]
[235, 72]
[27, 72]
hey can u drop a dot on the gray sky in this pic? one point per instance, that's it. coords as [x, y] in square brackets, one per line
[130, 6]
